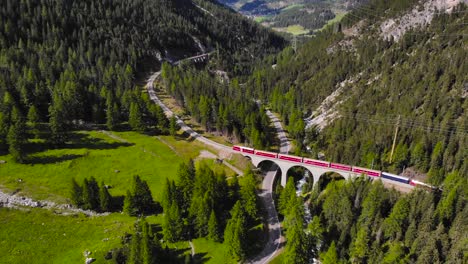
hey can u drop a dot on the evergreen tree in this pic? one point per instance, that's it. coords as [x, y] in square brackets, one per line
[248, 193]
[112, 113]
[288, 193]
[331, 256]
[186, 174]
[4, 127]
[135, 118]
[173, 225]
[135, 247]
[235, 233]
[76, 194]
[146, 243]
[105, 198]
[296, 241]
[58, 128]
[91, 194]
[213, 228]
[130, 206]
[16, 140]
[173, 127]
[142, 195]
[33, 119]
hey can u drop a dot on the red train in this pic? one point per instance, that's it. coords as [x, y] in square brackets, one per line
[337, 166]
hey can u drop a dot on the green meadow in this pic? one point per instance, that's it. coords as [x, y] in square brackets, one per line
[39, 236]
[33, 235]
[109, 159]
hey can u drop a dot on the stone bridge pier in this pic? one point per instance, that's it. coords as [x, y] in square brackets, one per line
[284, 166]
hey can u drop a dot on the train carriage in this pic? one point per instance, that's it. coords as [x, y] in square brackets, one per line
[290, 158]
[318, 163]
[368, 172]
[266, 154]
[339, 166]
[394, 177]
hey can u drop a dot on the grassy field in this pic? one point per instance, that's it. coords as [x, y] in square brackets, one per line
[293, 29]
[114, 158]
[293, 6]
[40, 236]
[108, 159]
[339, 15]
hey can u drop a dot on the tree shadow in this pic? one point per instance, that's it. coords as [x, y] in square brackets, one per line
[52, 159]
[77, 141]
[84, 141]
[200, 258]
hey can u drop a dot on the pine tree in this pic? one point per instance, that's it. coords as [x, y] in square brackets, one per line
[331, 256]
[57, 124]
[4, 127]
[112, 112]
[16, 140]
[91, 194]
[105, 198]
[76, 194]
[288, 193]
[135, 246]
[186, 183]
[135, 118]
[173, 225]
[33, 119]
[235, 233]
[173, 127]
[146, 245]
[296, 240]
[129, 204]
[142, 195]
[213, 228]
[248, 193]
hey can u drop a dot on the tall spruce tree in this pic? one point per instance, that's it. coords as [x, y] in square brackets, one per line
[105, 198]
[135, 118]
[235, 233]
[76, 193]
[213, 228]
[16, 140]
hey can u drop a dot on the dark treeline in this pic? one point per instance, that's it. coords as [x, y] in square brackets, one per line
[221, 106]
[200, 203]
[65, 62]
[91, 196]
[420, 77]
[203, 204]
[360, 221]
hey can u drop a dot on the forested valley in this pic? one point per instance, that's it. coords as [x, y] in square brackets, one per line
[77, 127]
[69, 62]
[420, 78]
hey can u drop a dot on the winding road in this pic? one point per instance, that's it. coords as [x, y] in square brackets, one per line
[275, 239]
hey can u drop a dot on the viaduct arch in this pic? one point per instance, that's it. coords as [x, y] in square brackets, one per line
[284, 166]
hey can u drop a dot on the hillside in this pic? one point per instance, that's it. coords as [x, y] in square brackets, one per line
[298, 17]
[78, 60]
[358, 79]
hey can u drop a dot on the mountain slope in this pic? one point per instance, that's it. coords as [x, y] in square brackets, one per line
[81, 57]
[420, 77]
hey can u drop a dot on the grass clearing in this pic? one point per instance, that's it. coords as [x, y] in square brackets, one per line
[339, 14]
[92, 153]
[40, 236]
[293, 29]
[292, 6]
[62, 239]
